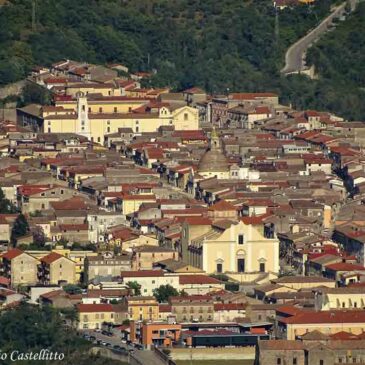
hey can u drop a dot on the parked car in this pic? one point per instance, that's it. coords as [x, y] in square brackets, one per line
[138, 346]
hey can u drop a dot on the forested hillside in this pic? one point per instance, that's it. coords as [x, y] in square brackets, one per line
[339, 59]
[218, 45]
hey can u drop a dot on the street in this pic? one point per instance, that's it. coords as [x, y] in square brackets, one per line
[145, 357]
[294, 57]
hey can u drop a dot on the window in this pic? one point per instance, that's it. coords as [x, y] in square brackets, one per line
[219, 268]
[98, 139]
[49, 130]
[295, 361]
[115, 109]
[137, 129]
[241, 239]
[262, 267]
[186, 116]
[108, 129]
[100, 110]
[321, 362]
[278, 361]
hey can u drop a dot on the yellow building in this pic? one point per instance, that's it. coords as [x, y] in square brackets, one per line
[340, 298]
[228, 246]
[92, 316]
[56, 269]
[143, 308]
[327, 322]
[96, 118]
[128, 204]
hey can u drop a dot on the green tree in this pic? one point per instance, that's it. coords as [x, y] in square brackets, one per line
[20, 228]
[6, 207]
[72, 289]
[163, 293]
[135, 287]
[29, 329]
[34, 93]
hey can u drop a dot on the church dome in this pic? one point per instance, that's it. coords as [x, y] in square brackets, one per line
[213, 160]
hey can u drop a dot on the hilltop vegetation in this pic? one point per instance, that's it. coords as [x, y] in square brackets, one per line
[339, 59]
[218, 45]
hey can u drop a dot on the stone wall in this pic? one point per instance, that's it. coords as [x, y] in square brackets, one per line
[214, 353]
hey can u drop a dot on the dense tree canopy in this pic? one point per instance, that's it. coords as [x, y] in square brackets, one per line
[221, 45]
[20, 228]
[6, 206]
[30, 329]
[163, 293]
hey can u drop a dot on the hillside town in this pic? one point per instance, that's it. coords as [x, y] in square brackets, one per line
[184, 226]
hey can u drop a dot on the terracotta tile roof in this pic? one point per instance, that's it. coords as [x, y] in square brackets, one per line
[198, 221]
[12, 254]
[335, 316]
[4, 281]
[255, 220]
[74, 227]
[165, 308]
[343, 336]
[222, 206]
[229, 306]
[75, 203]
[94, 308]
[343, 266]
[197, 279]
[50, 258]
[142, 273]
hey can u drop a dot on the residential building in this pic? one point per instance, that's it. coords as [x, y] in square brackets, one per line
[105, 266]
[20, 267]
[92, 316]
[55, 269]
[142, 308]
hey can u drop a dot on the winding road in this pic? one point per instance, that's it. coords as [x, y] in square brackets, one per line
[294, 57]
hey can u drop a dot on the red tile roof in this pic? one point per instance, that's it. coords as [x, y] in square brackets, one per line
[197, 279]
[343, 266]
[74, 203]
[334, 316]
[50, 258]
[198, 221]
[12, 254]
[142, 273]
[165, 308]
[344, 336]
[94, 308]
[222, 206]
[4, 281]
[255, 220]
[229, 306]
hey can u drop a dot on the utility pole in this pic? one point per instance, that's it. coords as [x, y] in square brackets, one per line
[34, 18]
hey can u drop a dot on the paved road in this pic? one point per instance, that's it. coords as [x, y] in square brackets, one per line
[145, 357]
[294, 57]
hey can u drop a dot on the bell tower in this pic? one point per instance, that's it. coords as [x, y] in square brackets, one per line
[82, 123]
